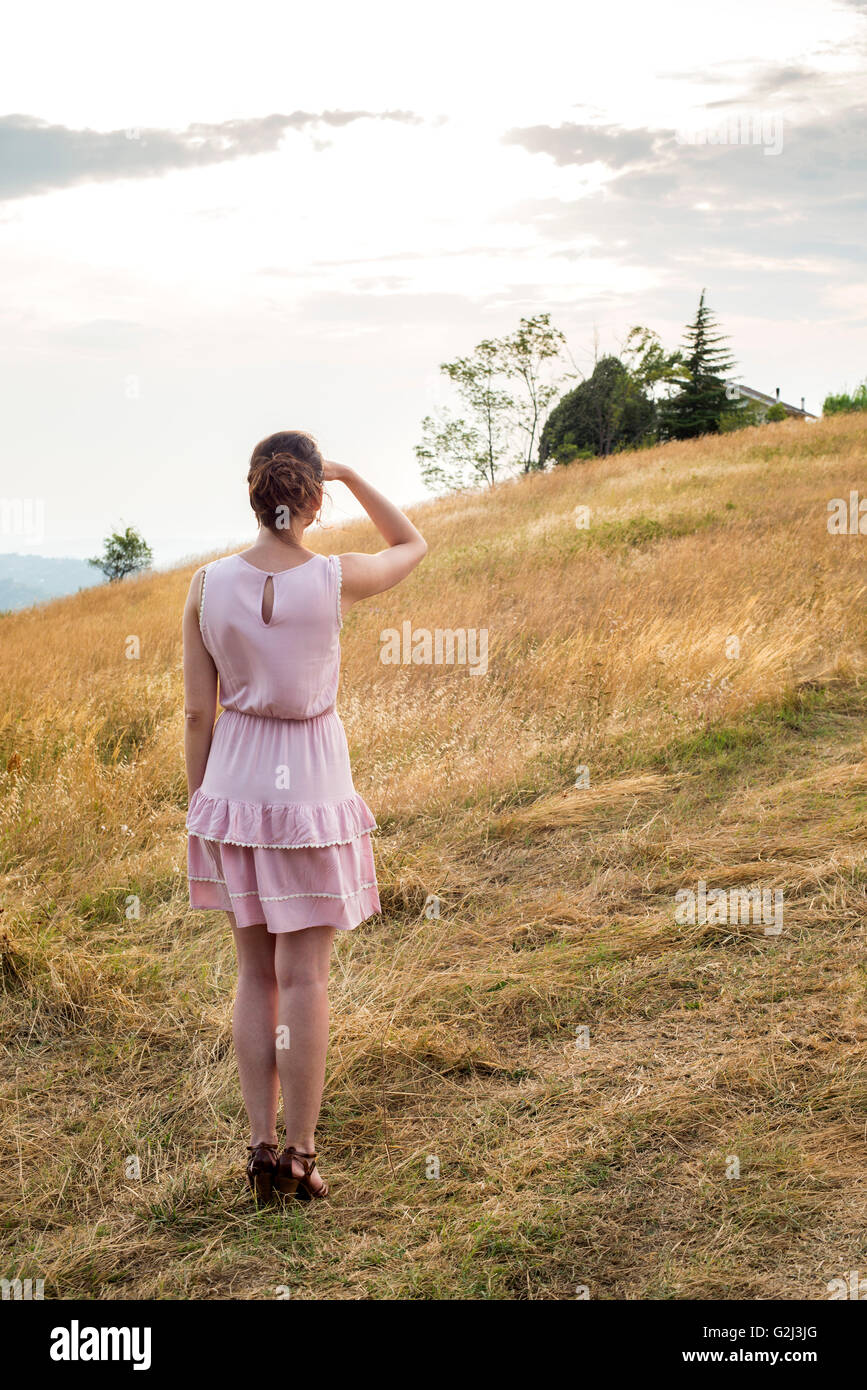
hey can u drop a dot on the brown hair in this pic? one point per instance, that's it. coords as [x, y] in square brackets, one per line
[285, 472]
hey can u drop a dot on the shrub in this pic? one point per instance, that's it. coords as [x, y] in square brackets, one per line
[842, 404]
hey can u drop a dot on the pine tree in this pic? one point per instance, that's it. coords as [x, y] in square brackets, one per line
[702, 400]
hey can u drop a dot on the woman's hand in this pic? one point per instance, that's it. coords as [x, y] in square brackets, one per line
[335, 472]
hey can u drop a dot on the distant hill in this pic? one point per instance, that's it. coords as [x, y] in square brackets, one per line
[29, 579]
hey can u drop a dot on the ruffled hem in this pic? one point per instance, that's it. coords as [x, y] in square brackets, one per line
[286, 889]
[287, 825]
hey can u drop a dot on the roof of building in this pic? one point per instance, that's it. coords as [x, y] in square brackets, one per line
[764, 399]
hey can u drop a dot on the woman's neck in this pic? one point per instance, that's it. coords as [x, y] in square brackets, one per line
[290, 539]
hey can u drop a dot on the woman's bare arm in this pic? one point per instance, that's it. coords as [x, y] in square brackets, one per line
[200, 691]
[364, 575]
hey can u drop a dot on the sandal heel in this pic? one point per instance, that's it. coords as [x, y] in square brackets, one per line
[262, 1186]
[289, 1185]
[261, 1168]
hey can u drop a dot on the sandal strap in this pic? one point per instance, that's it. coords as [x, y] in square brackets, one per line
[307, 1161]
[308, 1164]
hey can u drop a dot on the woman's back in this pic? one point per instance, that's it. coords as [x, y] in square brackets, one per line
[287, 667]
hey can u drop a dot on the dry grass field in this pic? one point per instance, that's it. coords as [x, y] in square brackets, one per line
[459, 1037]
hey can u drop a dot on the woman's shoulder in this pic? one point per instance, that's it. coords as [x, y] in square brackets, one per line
[200, 575]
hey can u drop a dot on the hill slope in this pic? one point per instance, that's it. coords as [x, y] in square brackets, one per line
[461, 1037]
[29, 579]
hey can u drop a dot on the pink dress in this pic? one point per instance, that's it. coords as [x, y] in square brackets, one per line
[277, 832]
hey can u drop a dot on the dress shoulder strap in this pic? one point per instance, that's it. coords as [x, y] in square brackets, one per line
[335, 577]
[209, 566]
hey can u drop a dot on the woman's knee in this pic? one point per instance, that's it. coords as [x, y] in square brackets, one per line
[302, 960]
[255, 952]
[257, 974]
[301, 975]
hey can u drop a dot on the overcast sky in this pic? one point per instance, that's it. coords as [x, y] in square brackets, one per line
[218, 221]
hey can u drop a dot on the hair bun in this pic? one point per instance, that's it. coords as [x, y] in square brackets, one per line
[285, 473]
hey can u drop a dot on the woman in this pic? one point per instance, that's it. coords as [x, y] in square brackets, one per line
[279, 838]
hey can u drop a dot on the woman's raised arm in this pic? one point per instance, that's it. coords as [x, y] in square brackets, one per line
[364, 575]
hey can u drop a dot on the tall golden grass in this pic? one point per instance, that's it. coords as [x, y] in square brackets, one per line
[454, 1036]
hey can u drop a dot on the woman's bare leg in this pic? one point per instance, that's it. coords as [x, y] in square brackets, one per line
[254, 1027]
[301, 964]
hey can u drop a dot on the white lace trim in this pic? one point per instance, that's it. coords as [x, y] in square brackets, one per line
[202, 596]
[340, 896]
[284, 897]
[339, 590]
[312, 844]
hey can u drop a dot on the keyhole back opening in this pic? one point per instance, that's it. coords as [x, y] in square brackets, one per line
[268, 600]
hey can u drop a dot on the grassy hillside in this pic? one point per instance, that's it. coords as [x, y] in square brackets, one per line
[458, 1037]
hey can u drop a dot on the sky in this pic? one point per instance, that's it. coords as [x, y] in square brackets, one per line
[217, 222]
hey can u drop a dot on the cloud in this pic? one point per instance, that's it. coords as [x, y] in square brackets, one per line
[108, 336]
[774, 82]
[770, 77]
[377, 311]
[399, 257]
[777, 236]
[585, 144]
[37, 157]
[666, 199]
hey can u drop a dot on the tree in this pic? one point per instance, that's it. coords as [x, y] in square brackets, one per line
[451, 454]
[702, 400]
[457, 453]
[500, 427]
[124, 552]
[743, 413]
[844, 402]
[608, 411]
[524, 354]
[647, 362]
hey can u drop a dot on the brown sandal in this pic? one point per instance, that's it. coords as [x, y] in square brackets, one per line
[261, 1169]
[289, 1185]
